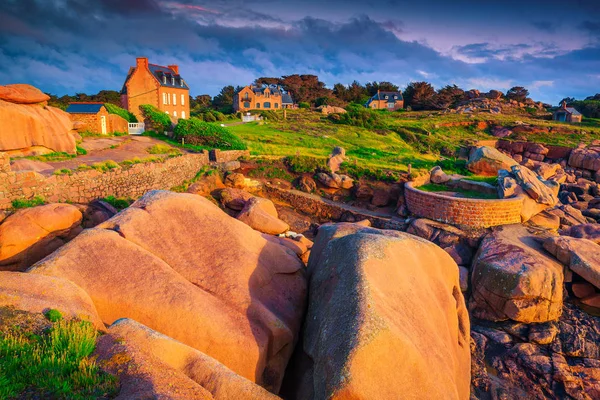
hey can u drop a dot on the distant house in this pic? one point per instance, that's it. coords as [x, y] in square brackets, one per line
[162, 87]
[263, 97]
[567, 114]
[384, 100]
[93, 117]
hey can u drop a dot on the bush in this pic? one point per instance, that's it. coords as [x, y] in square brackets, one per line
[303, 104]
[81, 151]
[302, 164]
[357, 115]
[118, 203]
[53, 315]
[27, 203]
[159, 121]
[113, 109]
[199, 133]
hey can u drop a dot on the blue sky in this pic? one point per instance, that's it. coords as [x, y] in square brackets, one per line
[68, 46]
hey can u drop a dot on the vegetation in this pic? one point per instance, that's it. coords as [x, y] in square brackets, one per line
[199, 133]
[357, 115]
[105, 166]
[470, 194]
[159, 121]
[114, 109]
[205, 171]
[163, 149]
[56, 363]
[118, 203]
[27, 203]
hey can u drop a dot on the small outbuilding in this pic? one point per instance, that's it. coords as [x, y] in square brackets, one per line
[566, 114]
[95, 118]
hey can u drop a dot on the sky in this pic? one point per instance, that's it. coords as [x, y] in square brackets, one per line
[72, 46]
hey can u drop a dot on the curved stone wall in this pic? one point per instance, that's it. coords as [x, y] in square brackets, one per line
[476, 213]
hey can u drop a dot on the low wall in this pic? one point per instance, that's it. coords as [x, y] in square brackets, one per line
[475, 213]
[226, 156]
[84, 186]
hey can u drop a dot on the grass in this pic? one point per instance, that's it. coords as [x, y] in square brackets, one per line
[27, 203]
[469, 194]
[96, 134]
[268, 170]
[205, 171]
[118, 203]
[163, 149]
[105, 166]
[174, 142]
[56, 363]
[492, 180]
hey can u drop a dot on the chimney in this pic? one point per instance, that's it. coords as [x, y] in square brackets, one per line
[174, 68]
[564, 105]
[142, 62]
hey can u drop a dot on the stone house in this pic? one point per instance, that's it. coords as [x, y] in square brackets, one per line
[384, 100]
[93, 117]
[162, 87]
[264, 97]
[567, 114]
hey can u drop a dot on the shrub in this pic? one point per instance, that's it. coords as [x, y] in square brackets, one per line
[53, 315]
[26, 203]
[105, 166]
[81, 151]
[302, 164]
[55, 364]
[158, 120]
[114, 109]
[303, 104]
[118, 203]
[357, 115]
[199, 133]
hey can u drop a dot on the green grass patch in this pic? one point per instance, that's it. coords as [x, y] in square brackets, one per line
[492, 180]
[267, 170]
[163, 149]
[469, 194]
[118, 203]
[55, 364]
[105, 166]
[27, 203]
[305, 164]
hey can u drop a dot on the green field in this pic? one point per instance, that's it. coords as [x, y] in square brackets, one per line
[421, 139]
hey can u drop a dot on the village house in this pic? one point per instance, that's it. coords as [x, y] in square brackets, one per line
[94, 118]
[384, 100]
[567, 114]
[264, 97]
[162, 87]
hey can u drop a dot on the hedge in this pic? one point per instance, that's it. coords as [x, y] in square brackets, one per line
[200, 133]
[113, 109]
[159, 121]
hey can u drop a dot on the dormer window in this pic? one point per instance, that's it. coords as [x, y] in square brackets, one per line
[386, 96]
[181, 81]
[173, 81]
[164, 80]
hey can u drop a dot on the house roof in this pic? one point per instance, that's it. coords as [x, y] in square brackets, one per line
[573, 111]
[84, 108]
[381, 95]
[159, 72]
[286, 99]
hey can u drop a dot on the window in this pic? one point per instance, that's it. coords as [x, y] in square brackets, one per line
[164, 80]
[183, 114]
[246, 104]
[175, 113]
[267, 94]
[173, 81]
[164, 98]
[174, 99]
[267, 104]
[276, 105]
[182, 83]
[246, 96]
[257, 105]
[166, 112]
[183, 100]
[168, 98]
[386, 96]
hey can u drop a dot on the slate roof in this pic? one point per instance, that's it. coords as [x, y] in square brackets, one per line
[286, 99]
[573, 111]
[159, 71]
[381, 96]
[84, 108]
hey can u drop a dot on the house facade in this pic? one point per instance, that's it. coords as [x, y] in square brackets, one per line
[567, 114]
[93, 117]
[162, 87]
[384, 100]
[265, 97]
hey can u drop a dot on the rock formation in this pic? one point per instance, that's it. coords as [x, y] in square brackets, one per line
[27, 122]
[488, 161]
[179, 265]
[363, 337]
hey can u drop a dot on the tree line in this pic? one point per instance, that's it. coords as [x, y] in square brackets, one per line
[589, 107]
[309, 91]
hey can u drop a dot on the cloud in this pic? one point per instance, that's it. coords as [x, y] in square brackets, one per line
[541, 84]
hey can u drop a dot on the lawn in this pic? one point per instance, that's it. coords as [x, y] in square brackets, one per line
[469, 194]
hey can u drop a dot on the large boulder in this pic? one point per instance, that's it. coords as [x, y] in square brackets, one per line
[26, 125]
[22, 94]
[585, 231]
[181, 266]
[582, 256]
[261, 214]
[543, 192]
[31, 234]
[234, 199]
[152, 365]
[488, 161]
[513, 278]
[585, 158]
[206, 185]
[385, 310]
[336, 158]
[37, 294]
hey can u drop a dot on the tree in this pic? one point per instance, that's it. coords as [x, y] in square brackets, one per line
[419, 95]
[305, 88]
[267, 81]
[518, 93]
[448, 96]
[373, 87]
[224, 100]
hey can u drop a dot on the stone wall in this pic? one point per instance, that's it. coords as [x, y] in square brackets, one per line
[220, 156]
[84, 186]
[476, 213]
